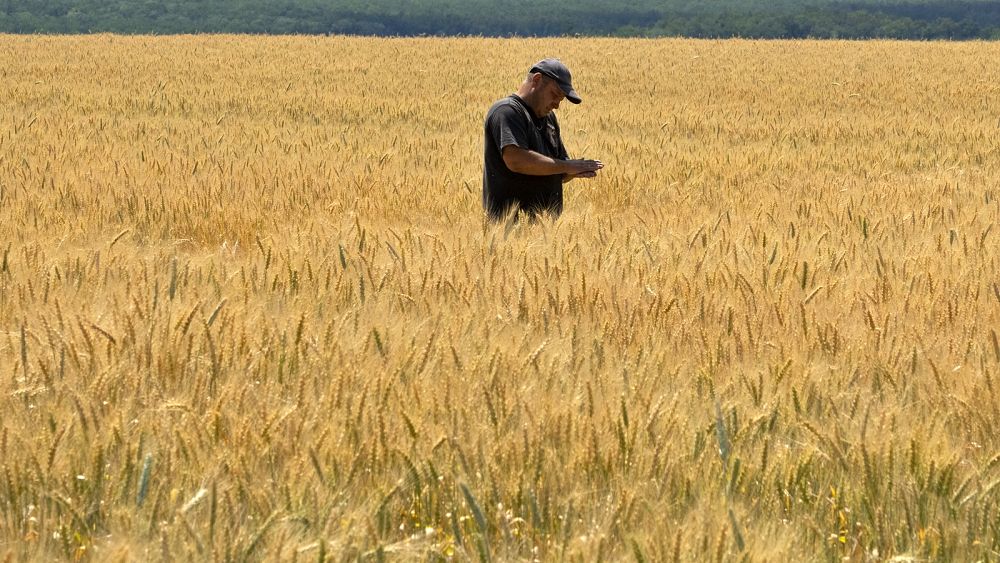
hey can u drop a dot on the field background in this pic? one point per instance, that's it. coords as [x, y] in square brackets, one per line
[249, 308]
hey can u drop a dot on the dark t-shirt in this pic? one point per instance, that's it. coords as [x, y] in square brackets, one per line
[511, 122]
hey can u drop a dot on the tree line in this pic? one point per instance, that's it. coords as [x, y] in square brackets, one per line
[899, 19]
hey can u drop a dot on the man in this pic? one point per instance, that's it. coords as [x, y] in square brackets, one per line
[525, 162]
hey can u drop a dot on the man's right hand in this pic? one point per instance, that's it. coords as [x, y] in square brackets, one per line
[583, 168]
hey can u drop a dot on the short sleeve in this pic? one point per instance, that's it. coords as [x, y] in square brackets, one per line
[506, 127]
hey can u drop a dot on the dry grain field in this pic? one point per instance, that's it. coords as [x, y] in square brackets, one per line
[249, 309]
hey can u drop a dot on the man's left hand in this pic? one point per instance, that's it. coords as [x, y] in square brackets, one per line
[589, 174]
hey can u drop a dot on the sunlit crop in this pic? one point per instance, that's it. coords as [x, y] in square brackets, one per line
[250, 310]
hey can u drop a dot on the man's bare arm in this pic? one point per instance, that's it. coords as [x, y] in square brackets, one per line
[533, 163]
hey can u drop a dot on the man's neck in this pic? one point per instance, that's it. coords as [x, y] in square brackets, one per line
[527, 100]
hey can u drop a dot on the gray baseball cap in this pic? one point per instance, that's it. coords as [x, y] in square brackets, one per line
[556, 70]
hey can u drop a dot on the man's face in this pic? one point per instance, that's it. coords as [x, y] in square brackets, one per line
[550, 96]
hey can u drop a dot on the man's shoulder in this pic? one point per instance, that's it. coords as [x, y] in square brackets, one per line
[506, 101]
[505, 107]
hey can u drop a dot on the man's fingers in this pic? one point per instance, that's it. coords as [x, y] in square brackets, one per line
[581, 166]
[589, 165]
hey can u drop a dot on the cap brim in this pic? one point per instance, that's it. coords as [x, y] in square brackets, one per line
[571, 94]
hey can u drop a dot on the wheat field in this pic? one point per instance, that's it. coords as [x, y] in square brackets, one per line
[250, 310]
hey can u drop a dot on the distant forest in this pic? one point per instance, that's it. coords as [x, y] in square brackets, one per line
[901, 19]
